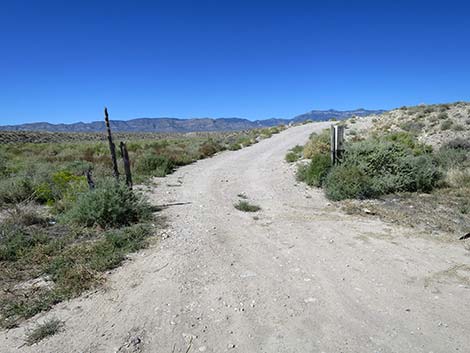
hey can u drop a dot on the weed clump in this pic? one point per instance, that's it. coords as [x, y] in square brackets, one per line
[109, 205]
[446, 124]
[154, 165]
[245, 206]
[315, 172]
[294, 154]
[48, 328]
[72, 260]
[209, 148]
[347, 182]
[318, 143]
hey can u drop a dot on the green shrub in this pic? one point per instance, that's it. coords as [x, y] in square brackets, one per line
[60, 186]
[449, 157]
[292, 157]
[245, 206]
[381, 167]
[407, 140]
[428, 109]
[412, 126]
[178, 158]
[154, 165]
[16, 189]
[209, 148]
[71, 257]
[294, 154]
[415, 173]
[17, 240]
[317, 144]
[347, 182]
[458, 127]
[74, 270]
[446, 124]
[315, 172]
[244, 142]
[234, 147]
[298, 149]
[458, 143]
[3, 164]
[110, 205]
[458, 178]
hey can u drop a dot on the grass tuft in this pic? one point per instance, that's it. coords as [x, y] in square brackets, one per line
[245, 206]
[47, 329]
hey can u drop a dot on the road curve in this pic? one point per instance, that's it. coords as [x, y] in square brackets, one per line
[298, 276]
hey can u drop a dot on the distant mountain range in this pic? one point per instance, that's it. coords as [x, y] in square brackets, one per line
[188, 125]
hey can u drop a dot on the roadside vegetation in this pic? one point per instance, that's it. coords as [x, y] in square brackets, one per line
[389, 164]
[58, 237]
[294, 154]
[245, 206]
[44, 330]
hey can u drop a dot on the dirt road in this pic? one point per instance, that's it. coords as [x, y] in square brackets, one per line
[298, 276]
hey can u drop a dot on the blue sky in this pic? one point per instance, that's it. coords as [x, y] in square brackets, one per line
[62, 61]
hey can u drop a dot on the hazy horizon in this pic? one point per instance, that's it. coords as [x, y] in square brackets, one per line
[182, 118]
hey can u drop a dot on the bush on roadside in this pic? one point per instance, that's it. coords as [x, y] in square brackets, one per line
[234, 147]
[407, 140]
[110, 205]
[60, 185]
[72, 262]
[347, 182]
[375, 167]
[154, 165]
[209, 148]
[315, 172]
[294, 154]
[317, 144]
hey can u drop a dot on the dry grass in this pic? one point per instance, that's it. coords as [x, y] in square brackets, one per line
[47, 329]
[458, 178]
[443, 215]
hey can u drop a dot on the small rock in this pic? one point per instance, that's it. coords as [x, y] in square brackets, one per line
[247, 274]
[310, 300]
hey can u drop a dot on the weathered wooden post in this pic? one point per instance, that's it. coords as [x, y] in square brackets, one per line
[333, 144]
[89, 179]
[127, 164]
[112, 147]
[337, 143]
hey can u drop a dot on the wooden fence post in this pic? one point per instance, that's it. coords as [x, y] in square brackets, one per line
[127, 164]
[337, 143]
[112, 147]
[333, 144]
[89, 179]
